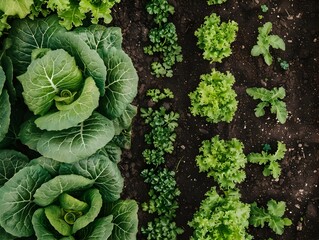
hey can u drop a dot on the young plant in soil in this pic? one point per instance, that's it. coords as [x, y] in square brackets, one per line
[221, 216]
[270, 98]
[273, 216]
[213, 2]
[215, 38]
[164, 39]
[270, 161]
[265, 41]
[214, 97]
[223, 160]
[156, 95]
[163, 188]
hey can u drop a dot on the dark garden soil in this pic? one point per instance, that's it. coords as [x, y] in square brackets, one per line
[297, 22]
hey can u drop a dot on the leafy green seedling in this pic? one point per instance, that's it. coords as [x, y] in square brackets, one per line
[270, 98]
[265, 41]
[156, 94]
[283, 64]
[273, 216]
[270, 161]
[213, 2]
[264, 8]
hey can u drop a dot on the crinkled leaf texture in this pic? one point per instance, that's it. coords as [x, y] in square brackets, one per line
[46, 77]
[124, 219]
[73, 144]
[16, 200]
[16, 7]
[105, 173]
[11, 162]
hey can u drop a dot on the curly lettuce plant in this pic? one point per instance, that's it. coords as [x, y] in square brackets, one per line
[223, 160]
[70, 12]
[221, 217]
[215, 38]
[214, 97]
[77, 85]
[47, 199]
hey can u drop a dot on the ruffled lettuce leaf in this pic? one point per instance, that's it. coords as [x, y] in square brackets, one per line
[16, 200]
[20, 8]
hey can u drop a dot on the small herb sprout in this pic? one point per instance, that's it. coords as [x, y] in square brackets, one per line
[283, 64]
[264, 8]
[265, 41]
[157, 95]
[266, 147]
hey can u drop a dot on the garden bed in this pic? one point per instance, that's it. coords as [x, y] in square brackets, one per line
[297, 23]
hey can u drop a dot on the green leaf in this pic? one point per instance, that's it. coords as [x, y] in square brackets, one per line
[125, 120]
[276, 208]
[8, 69]
[105, 173]
[20, 8]
[265, 29]
[256, 51]
[112, 151]
[98, 10]
[52, 189]
[27, 35]
[94, 199]
[124, 219]
[48, 164]
[69, 202]
[16, 200]
[100, 38]
[87, 59]
[71, 16]
[69, 115]
[280, 109]
[29, 134]
[259, 110]
[121, 83]
[258, 216]
[277, 42]
[6, 236]
[41, 225]
[74, 144]
[2, 79]
[259, 93]
[100, 229]
[11, 162]
[55, 216]
[46, 77]
[5, 112]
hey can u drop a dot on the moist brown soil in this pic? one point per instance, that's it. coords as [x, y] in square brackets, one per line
[297, 22]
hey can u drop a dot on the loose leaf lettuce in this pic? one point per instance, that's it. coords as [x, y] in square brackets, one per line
[21, 8]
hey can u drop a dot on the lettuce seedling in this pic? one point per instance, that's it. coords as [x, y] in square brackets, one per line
[212, 2]
[273, 216]
[270, 161]
[265, 41]
[270, 98]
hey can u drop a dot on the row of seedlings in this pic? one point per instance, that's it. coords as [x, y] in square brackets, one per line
[163, 191]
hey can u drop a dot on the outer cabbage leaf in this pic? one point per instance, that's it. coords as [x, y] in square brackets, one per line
[8, 69]
[112, 151]
[6, 236]
[121, 83]
[52, 189]
[100, 38]
[105, 173]
[72, 114]
[46, 77]
[16, 200]
[48, 164]
[5, 112]
[100, 229]
[125, 120]
[124, 219]
[29, 134]
[11, 162]
[87, 59]
[74, 144]
[2, 79]
[12, 8]
[28, 35]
